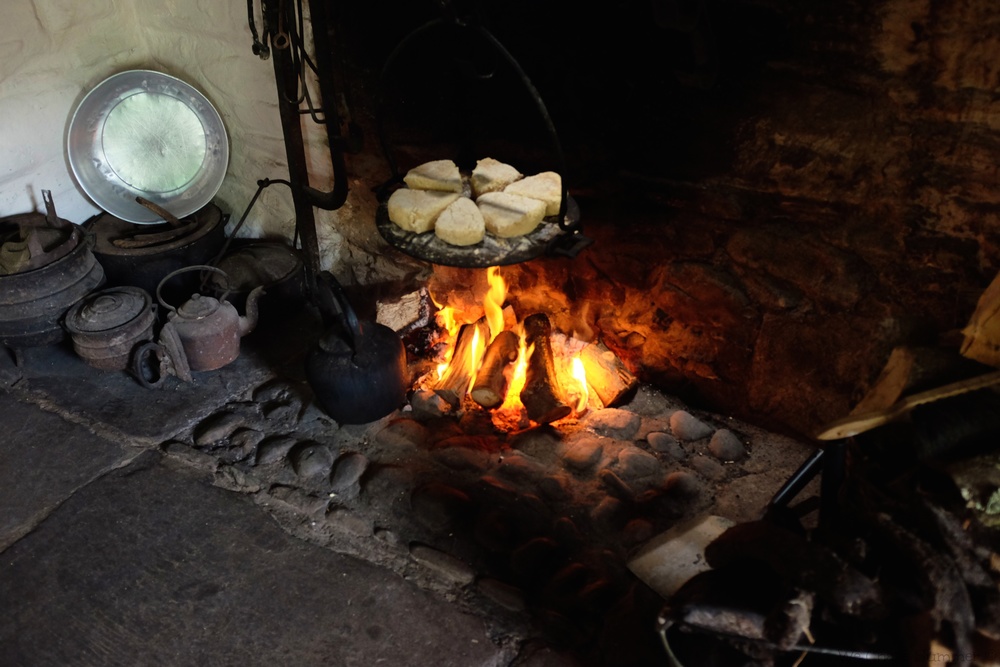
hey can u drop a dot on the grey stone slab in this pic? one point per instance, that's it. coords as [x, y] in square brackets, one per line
[43, 460]
[151, 416]
[148, 566]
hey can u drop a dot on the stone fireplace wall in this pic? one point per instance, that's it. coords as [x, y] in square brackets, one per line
[779, 192]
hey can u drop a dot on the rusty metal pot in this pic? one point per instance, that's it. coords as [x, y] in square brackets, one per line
[358, 369]
[33, 303]
[208, 329]
[106, 326]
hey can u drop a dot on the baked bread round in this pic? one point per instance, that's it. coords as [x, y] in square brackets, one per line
[546, 187]
[507, 215]
[417, 210]
[461, 224]
[435, 175]
[492, 176]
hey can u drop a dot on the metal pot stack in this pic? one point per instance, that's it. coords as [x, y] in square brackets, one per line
[108, 325]
[46, 266]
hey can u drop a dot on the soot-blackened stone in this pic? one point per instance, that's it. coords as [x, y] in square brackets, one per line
[274, 449]
[727, 446]
[439, 507]
[687, 427]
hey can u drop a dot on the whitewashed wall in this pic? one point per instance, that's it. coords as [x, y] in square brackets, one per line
[52, 52]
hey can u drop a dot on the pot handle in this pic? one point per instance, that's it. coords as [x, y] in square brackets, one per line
[194, 267]
[330, 294]
[147, 365]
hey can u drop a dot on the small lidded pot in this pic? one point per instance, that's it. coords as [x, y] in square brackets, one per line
[106, 326]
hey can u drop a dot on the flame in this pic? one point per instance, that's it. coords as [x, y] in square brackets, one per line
[475, 358]
[445, 317]
[580, 375]
[512, 401]
[493, 301]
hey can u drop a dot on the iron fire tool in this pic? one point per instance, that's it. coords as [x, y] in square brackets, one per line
[880, 539]
[283, 38]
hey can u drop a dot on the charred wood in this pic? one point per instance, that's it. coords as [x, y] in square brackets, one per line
[490, 387]
[541, 396]
[455, 381]
[405, 313]
[607, 375]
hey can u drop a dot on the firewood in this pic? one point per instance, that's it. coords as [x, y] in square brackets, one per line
[490, 387]
[912, 369]
[541, 395]
[454, 383]
[607, 375]
[982, 334]
[405, 313]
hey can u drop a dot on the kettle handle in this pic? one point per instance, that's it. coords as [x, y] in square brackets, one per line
[193, 267]
[331, 293]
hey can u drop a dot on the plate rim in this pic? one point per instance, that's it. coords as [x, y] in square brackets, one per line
[108, 191]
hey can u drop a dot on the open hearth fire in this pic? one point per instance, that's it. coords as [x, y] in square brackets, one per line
[518, 369]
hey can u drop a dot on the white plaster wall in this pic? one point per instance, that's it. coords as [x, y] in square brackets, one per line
[52, 52]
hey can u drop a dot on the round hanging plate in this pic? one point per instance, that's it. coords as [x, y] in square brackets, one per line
[146, 134]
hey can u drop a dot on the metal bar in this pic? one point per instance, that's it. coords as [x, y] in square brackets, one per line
[291, 127]
[322, 31]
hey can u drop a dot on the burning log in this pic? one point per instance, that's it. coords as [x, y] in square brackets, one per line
[541, 396]
[606, 375]
[454, 383]
[490, 387]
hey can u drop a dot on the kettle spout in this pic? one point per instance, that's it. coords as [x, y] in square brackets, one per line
[249, 321]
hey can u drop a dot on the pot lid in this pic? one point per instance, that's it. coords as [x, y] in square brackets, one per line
[142, 133]
[107, 309]
[261, 263]
[198, 307]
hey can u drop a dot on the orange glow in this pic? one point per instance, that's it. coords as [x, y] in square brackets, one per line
[580, 375]
[493, 301]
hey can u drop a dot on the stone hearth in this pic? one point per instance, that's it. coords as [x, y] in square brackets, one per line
[531, 529]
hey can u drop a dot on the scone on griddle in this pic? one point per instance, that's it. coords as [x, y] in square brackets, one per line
[435, 175]
[507, 215]
[546, 187]
[417, 210]
[492, 176]
[461, 224]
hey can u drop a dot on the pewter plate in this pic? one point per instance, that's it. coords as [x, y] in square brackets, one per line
[147, 134]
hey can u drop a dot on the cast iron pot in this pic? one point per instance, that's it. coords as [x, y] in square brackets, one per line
[141, 255]
[358, 369]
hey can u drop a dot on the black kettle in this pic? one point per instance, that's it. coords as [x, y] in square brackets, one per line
[357, 369]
